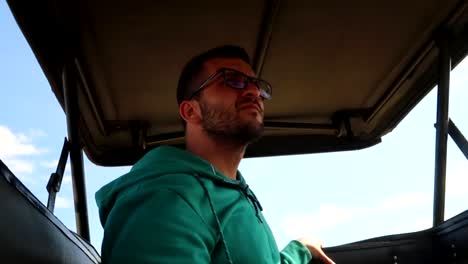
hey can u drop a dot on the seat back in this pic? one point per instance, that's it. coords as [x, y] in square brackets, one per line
[452, 239]
[30, 233]
[447, 243]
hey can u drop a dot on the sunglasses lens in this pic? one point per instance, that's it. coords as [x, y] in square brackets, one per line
[236, 84]
[238, 80]
[265, 89]
[235, 79]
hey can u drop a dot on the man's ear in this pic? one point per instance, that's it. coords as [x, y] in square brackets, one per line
[190, 111]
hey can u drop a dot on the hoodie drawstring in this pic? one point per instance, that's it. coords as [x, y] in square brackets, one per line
[228, 255]
[251, 196]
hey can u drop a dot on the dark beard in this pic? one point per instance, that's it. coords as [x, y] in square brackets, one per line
[225, 125]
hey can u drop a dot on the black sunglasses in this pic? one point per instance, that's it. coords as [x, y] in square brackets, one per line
[237, 80]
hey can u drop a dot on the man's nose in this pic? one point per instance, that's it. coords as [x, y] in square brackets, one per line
[251, 91]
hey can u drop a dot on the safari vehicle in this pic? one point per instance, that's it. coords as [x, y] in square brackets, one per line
[113, 67]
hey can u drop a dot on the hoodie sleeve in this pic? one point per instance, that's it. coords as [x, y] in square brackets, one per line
[295, 252]
[161, 228]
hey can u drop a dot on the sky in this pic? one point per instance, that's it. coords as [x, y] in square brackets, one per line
[338, 197]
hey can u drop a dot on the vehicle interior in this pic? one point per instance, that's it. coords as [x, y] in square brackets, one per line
[346, 74]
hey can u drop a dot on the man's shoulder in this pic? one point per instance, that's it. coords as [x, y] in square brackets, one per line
[184, 184]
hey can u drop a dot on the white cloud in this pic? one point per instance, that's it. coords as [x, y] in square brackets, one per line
[22, 138]
[20, 166]
[456, 188]
[457, 180]
[404, 200]
[62, 202]
[67, 179]
[26, 179]
[459, 78]
[22, 169]
[15, 147]
[330, 216]
[49, 164]
[12, 145]
[33, 132]
[53, 165]
[416, 225]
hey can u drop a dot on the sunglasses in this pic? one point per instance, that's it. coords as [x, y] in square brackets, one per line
[237, 80]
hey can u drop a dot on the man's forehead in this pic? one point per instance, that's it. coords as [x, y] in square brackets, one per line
[214, 64]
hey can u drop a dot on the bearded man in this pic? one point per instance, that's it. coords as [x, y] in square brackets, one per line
[193, 205]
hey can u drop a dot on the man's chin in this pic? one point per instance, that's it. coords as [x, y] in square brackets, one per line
[253, 132]
[253, 118]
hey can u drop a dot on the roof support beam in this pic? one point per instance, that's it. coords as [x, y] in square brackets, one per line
[55, 180]
[444, 69]
[266, 31]
[458, 138]
[70, 91]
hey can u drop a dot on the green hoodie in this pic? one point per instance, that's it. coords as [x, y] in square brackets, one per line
[174, 207]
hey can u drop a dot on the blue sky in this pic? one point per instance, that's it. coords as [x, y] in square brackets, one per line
[338, 197]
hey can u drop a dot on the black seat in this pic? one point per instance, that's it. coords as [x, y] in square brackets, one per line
[30, 233]
[447, 243]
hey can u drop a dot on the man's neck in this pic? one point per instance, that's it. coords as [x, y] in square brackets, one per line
[224, 155]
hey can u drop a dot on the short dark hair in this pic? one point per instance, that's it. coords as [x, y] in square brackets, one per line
[195, 66]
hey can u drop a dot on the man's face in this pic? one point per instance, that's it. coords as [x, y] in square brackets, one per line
[231, 113]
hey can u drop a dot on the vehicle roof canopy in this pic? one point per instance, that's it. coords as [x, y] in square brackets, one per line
[344, 73]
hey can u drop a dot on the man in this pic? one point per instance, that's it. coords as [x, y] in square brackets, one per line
[193, 205]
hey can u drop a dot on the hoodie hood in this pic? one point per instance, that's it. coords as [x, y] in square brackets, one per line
[162, 161]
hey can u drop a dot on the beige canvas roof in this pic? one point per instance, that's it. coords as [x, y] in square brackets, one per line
[344, 73]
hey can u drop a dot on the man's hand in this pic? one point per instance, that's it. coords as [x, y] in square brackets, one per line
[315, 248]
